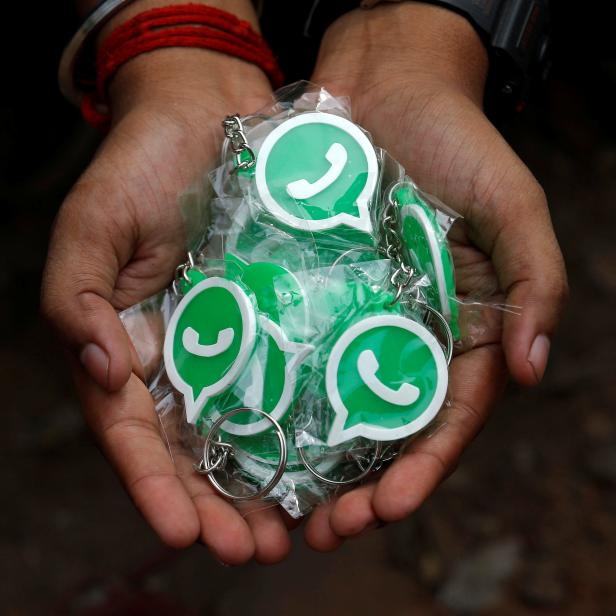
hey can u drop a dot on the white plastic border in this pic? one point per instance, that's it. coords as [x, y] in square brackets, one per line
[361, 222]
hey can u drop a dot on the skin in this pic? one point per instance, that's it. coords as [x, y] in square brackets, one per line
[415, 75]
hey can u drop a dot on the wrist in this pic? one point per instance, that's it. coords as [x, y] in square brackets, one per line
[406, 42]
[188, 81]
[183, 77]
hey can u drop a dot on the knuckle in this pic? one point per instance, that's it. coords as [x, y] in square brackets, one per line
[529, 193]
[452, 468]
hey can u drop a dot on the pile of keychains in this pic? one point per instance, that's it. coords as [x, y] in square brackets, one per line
[319, 339]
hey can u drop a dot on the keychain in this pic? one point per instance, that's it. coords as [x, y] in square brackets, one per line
[226, 331]
[317, 171]
[209, 340]
[386, 378]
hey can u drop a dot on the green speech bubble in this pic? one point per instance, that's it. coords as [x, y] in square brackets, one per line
[386, 378]
[316, 171]
[209, 340]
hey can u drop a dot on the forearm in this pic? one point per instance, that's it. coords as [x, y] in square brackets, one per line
[406, 39]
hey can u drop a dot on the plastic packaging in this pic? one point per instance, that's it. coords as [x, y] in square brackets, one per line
[309, 334]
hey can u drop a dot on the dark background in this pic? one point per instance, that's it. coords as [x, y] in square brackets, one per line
[527, 525]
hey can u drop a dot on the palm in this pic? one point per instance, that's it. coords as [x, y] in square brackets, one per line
[143, 184]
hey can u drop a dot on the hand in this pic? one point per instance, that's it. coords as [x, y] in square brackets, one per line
[415, 74]
[117, 239]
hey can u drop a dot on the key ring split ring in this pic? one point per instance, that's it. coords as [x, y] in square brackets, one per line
[378, 448]
[219, 461]
[210, 465]
[181, 272]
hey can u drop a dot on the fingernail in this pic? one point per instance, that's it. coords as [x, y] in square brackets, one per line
[538, 356]
[96, 362]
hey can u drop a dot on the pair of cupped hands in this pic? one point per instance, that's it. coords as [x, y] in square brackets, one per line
[415, 75]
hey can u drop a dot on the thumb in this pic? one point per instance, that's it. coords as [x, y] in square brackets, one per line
[78, 283]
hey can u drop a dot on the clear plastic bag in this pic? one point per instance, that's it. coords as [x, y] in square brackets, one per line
[309, 335]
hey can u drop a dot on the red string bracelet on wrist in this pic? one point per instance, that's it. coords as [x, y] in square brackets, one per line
[186, 25]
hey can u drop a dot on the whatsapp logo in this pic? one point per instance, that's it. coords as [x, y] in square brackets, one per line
[209, 340]
[317, 171]
[386, 378]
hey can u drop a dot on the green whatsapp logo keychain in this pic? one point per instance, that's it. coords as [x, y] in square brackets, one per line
[386, 378]
[209, 340]
[316, 171]
[238, 344]
[222, 355]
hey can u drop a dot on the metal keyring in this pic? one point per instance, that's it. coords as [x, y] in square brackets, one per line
[208, 467]
[378, 447]
[181, 273]
[221, 460]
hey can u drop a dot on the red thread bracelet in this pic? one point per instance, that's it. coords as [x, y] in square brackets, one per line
[186, 25]
[185, 14]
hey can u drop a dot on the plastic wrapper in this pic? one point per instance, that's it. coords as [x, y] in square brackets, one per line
[309, 336]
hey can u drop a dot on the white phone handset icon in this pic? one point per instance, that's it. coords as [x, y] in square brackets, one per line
[190, 340]
[367, 366]
[303, 189]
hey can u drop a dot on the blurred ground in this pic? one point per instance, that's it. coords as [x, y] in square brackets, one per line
[526, 526]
